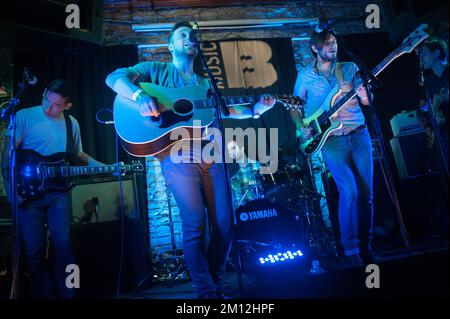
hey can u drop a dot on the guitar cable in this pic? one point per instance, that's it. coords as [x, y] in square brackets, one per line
[122, 229]
[122, 219]
[97, 116]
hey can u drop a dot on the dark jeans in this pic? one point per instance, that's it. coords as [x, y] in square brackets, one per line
[349, 159]
[52, 209]
[199, 189]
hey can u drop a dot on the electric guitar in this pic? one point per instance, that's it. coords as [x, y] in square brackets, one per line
[321, 122]
[181, 109]
[37, 174]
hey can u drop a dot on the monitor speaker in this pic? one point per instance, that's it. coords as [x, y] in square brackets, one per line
[103, 241]
[412, 155]
[99, 200]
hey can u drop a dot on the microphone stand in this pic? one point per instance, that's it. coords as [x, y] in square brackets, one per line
[221, 108]
[9, 115]
[435, 129]
[369, 80]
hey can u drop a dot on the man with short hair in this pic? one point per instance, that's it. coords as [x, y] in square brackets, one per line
[43, 129]
[197, 185]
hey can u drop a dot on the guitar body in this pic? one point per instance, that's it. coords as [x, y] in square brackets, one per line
[321, 128]
[33, 177]
[144, 136]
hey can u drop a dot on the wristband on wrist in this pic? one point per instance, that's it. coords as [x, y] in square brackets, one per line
[254, 115]
[136, 94]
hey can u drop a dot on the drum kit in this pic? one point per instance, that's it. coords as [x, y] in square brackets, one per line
[281, 208]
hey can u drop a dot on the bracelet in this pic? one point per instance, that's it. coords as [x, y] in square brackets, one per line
[136, 94]
[254, 116]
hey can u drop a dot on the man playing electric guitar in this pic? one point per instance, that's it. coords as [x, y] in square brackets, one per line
[43, 129]
[348, 151]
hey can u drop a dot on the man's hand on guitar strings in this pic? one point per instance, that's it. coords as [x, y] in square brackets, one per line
[147, 106]
[265, 103]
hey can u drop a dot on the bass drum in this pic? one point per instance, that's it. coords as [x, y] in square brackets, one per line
[267, 222]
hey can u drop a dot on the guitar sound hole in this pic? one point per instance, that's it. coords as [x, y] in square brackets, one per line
[183, 107]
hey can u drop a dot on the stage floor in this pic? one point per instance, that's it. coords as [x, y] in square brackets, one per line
[421, 274]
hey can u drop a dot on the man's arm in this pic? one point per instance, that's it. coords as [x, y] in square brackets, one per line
[362, 95]
[88, 160]
[122, 82]
[300, 91]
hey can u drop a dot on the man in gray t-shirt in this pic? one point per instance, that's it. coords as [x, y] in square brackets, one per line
[43, 129]
[197, 186]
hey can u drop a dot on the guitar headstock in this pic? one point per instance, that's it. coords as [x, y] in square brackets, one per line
[291, 102]
[415, 38]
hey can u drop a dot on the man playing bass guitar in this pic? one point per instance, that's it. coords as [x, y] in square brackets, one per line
[348, 151]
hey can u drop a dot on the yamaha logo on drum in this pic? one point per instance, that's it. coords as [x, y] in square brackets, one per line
[259, 214]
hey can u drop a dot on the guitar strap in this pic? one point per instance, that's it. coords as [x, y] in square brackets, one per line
[339, 74]
[70, 145]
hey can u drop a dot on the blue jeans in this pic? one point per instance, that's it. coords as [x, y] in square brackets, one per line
[54, 210]
[349, 159]
[200, 189]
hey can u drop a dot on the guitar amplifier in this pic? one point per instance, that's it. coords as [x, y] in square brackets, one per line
[405, 123]
[412, 155]
[99, 200]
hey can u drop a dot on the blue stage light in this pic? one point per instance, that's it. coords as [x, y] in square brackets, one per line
[279, 257]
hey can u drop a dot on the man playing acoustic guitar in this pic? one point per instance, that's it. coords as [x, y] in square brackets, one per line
[197, 186]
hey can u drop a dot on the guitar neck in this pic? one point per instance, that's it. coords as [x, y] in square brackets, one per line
[229, 101]
[86, 170]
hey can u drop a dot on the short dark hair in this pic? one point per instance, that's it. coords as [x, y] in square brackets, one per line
[318, 39]
[176, 26]
[62, 87]
[434, 44]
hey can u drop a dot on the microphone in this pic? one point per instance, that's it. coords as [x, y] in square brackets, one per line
[193, 37]
[324, 25]
[29, 77]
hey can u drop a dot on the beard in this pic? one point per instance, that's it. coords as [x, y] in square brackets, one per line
[327, 58]
[186, 52]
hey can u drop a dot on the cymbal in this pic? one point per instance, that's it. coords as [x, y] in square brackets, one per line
[3, 92]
